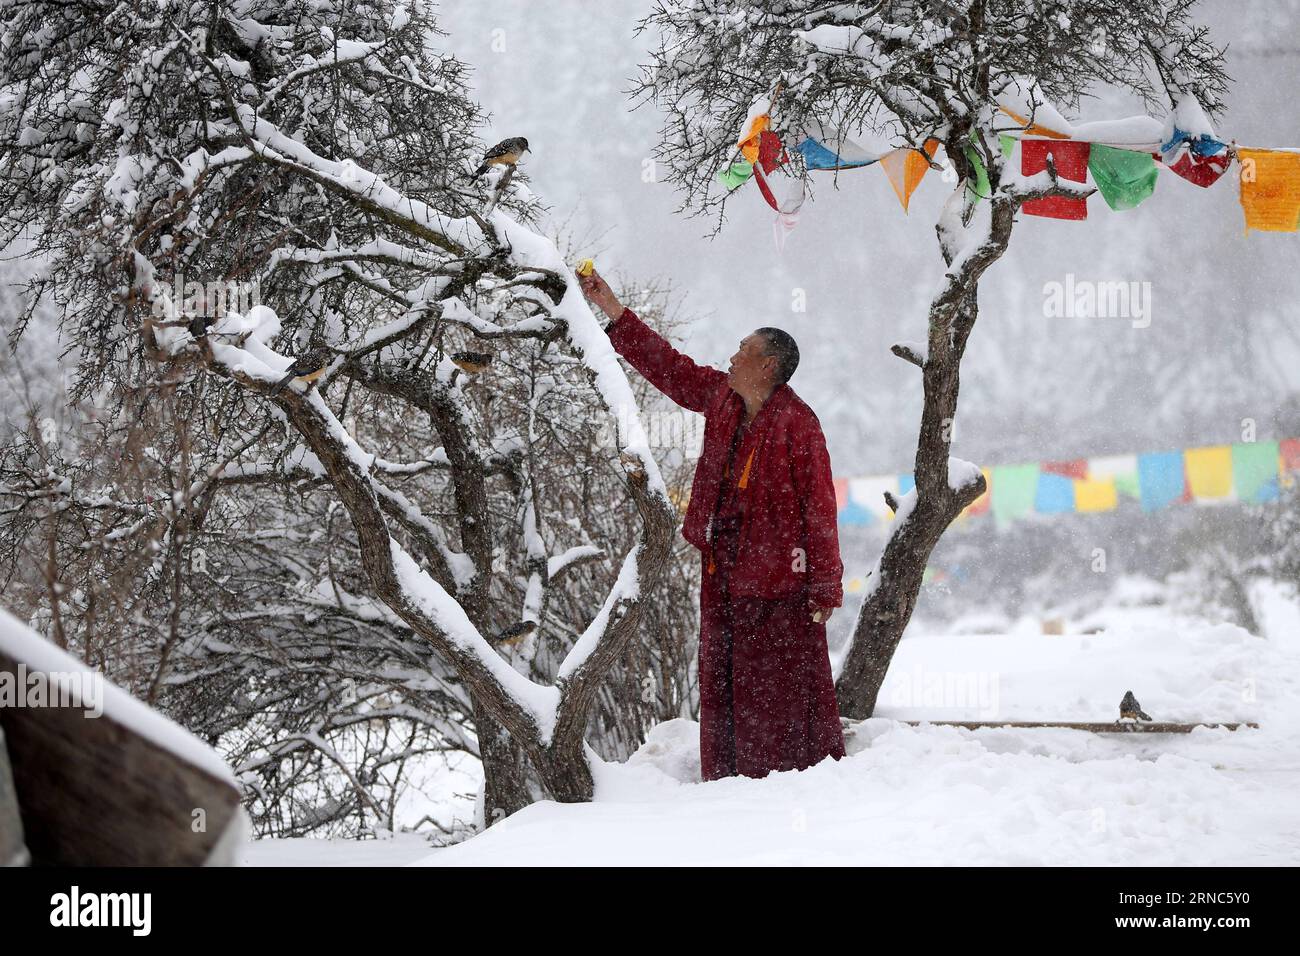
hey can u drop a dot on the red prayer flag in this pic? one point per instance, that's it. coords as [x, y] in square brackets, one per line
[770, 152]
[1290, 450]
[1201, 170]
[1071, 159]
[841, 491]
[1077, 468]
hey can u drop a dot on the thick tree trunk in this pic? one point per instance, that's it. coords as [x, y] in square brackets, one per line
[505, 788]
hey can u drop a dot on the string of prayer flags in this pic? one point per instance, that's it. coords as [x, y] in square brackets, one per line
[1071, 160]
[1125, 177]
[1270, 189]
[1197, 159]
[1121, 156]
[1248, 472]
[906, 167]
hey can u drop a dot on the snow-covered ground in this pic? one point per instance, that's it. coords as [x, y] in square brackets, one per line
[941, 795]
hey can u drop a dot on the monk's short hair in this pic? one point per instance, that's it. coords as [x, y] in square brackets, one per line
[781, 344]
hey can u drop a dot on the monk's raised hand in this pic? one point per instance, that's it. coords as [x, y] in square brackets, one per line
[598, 291]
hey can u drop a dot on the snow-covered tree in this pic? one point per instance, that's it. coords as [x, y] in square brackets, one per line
[911, 71]
[322, 155]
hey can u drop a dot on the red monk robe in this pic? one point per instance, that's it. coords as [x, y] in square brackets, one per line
[763, 512]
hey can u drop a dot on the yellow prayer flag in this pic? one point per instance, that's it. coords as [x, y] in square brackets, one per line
[1095, 494]
[1270, 189]
[1034, 129]
[748, 142]
[1209, 471]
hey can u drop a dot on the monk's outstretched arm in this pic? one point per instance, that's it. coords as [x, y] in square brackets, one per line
[686, 382]
[812, 476]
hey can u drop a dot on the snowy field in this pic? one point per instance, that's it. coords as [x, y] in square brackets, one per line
[938, 795]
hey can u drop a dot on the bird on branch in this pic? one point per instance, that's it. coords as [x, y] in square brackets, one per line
[472, 362]
[307, 368]
[505, 153]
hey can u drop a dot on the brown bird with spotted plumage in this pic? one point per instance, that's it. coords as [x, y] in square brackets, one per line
[505, 153]
[307, 368]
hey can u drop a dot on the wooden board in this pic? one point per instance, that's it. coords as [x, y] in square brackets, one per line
[1095, 727]
[97, 792]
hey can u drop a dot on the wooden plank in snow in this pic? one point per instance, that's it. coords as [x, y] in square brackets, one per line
[124, 788]
[1095, 727]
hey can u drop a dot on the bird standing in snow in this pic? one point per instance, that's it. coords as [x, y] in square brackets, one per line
[306, 368]
[1130, 709]
[505, 153]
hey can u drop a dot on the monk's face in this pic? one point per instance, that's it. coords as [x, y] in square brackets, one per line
[752, 369]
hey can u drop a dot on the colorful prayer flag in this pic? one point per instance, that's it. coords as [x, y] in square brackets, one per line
[981, 504]
[1071, 160]
[856, 515]
[1198, 159]
[1209, 472]
[1289, 450]
[1054, 494]
[1255, 470]
[1124, 177]
[1075, 468]
[736, 174]
[981, 187]
[1270, 189]
[825, 148]
[749, 139]
[906, 167]
[1034, 129]
[1121, 469]
[1161, 479]
[1014, 490]
[1095, 494]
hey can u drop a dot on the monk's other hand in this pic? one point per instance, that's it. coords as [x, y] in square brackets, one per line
[598, 291]
[820, 615]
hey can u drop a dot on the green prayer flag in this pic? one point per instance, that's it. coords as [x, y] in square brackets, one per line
[735, 174]
[1126, 483]
[1255, 470]
[980, 189]
[1014, 490]
[1124, 177]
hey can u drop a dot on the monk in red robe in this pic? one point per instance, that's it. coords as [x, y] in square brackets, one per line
[763, 514]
